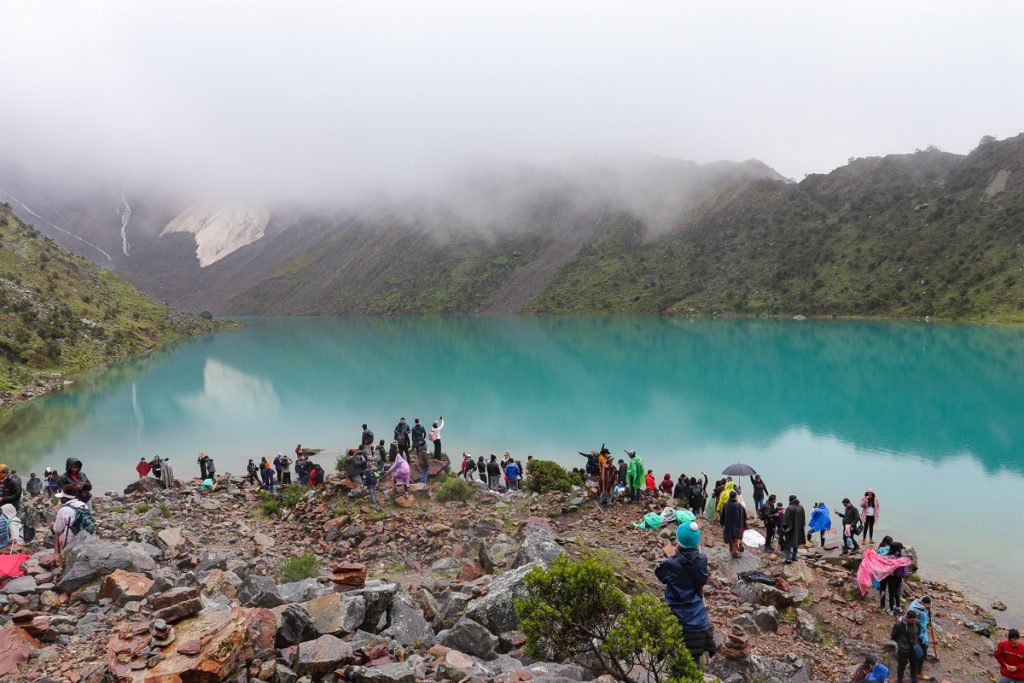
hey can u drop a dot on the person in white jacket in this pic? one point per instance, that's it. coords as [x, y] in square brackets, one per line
[15, 529]
[67, 503]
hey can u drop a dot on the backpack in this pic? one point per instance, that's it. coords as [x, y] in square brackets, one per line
[856, 528]
[82, 521]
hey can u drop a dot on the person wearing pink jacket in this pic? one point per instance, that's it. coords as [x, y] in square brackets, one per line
[869, 509]
[400, 471]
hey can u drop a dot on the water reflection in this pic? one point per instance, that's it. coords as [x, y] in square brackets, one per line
[230, 393]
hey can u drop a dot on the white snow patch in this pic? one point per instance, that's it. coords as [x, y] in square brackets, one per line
[219, 232]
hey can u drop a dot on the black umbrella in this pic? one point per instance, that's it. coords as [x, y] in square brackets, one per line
[739, 470]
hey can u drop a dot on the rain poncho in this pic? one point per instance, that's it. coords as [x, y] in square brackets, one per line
[635, 473]
[709, 508]
[876, 567]
[401, 470]
[668, 515]
[723, 498]
[652, 520]
[685, 517]
[820, 520]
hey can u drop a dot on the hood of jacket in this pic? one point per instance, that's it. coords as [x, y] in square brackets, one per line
[8, 511]
[72, 462]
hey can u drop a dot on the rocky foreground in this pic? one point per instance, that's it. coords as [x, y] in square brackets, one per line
[180, 585]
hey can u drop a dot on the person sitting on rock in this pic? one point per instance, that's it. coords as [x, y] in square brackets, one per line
[684, 575]
[400, 473]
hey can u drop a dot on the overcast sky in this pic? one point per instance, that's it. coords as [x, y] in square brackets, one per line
[295, 94]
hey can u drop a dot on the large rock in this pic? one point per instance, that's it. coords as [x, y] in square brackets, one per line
[469, 636]
[20, 586]
[550, 672]
[406, 624]
[348, 575]
[208, 647]
[395, 672]
[259, 591]
[798, 572]
[539, 546]
[121, 586]
[294, 626]
[220, 582]
[144, 485]
[377, 596]
[16, 646]
[496, 610]
[176, 604]
[731, 567]
[807, 627]
[300, 591]
[760, 594]
[766, 618]
[451, 607]
[336, 614]
[90, 558]
[170, 539]
[314, 658]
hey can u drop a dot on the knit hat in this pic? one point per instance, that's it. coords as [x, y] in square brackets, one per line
[688, 535]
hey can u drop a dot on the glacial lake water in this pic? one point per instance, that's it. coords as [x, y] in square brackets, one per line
[930, 416]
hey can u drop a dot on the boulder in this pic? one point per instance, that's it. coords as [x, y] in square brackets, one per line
[337, 615]
[314, 658]
[144, 485]
[259, 591]
[760, 594]
[348, 575]
[20, 585]
[176, 604]
[294, 626]
[452, 606]
[798, 572]
[549, 672]
[496, 610]
[539, 546]
[121, 586]
[225, 640]
[377, 596]
[406, 624]
[459, 666]
[170, 539]
[220, 582]
[469, 636]
[300, 591]
[16, 646]
[807, 627]
[90, 558]
[766, 618]
[395, 672]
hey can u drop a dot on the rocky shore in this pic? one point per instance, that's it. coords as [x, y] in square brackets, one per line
[182, 585]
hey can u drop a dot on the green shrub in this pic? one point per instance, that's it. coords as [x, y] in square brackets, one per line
[142, 508]
[299, 567]
[291, 494]
[577, 610]
[455, 489]
[546, 475]
[165, 509]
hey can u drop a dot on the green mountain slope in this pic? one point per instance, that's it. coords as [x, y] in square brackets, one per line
[61, 314]
[926, 234]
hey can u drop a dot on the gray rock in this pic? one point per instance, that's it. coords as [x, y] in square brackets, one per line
[406, 624]
[446, 564]
[282, 674]
[470, 637]
[336, 614]
[20, 585]
[300, 591]
[259, 591]
[767, 618]
[550, 672]
[452, 606]
[496, 610]
[807, 627]
[294, 626]
[539, 546]
[395, 672]
[90, 558]
[377, 596]
[315, 658]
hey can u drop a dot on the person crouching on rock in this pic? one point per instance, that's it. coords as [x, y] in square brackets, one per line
[684, 576]
[400, 473]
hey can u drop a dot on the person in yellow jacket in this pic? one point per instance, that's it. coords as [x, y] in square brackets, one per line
[723, 498]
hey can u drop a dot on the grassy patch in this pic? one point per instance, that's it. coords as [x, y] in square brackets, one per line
[142, 508]
[299, 567]
[455, 489]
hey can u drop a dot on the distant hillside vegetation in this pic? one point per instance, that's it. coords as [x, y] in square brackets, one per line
[60, 314]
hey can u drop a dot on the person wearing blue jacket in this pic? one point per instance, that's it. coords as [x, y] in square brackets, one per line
[512, 475]
[684, 576]
[820, 521]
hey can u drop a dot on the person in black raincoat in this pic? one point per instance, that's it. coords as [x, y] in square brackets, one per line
[734, 520]
[794, 526]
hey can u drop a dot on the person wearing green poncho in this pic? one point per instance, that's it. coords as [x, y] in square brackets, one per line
[635, 475]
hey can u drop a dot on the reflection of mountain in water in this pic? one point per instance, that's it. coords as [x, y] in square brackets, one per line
[938, 391]
[228, 392]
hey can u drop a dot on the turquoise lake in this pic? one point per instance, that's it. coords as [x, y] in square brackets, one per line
[930, 416]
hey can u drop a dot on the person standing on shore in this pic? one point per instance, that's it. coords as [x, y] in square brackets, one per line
[167, 473]
[698, 494]
[279, 467]
[820, 522]
[767, 516]
[869, 509]
[203, 472]
[366, 440]
[667, 487]
[622, 471]
[906, 634]
[251, 471]
[684, 575]
[634, 476]
[606, 479]
[286, 470]
[142, 468]
[435, 436]
[734, 519]
[73, 475]
[922, 607]
[402, 437]
[156, 466]
[1010, 655]
[760, 491]
[481, 468]
[493, 473]
[851, 518]
[34, 485]
[382, 455]
[793, 524]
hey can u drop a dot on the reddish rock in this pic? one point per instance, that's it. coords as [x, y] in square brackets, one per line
[16, 647]
[471, 571]
[405, 501]
[121, 586]
[349, 574]
[190, 647]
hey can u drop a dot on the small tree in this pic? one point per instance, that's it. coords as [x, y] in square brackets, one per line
[577, 610]
[546, 475]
